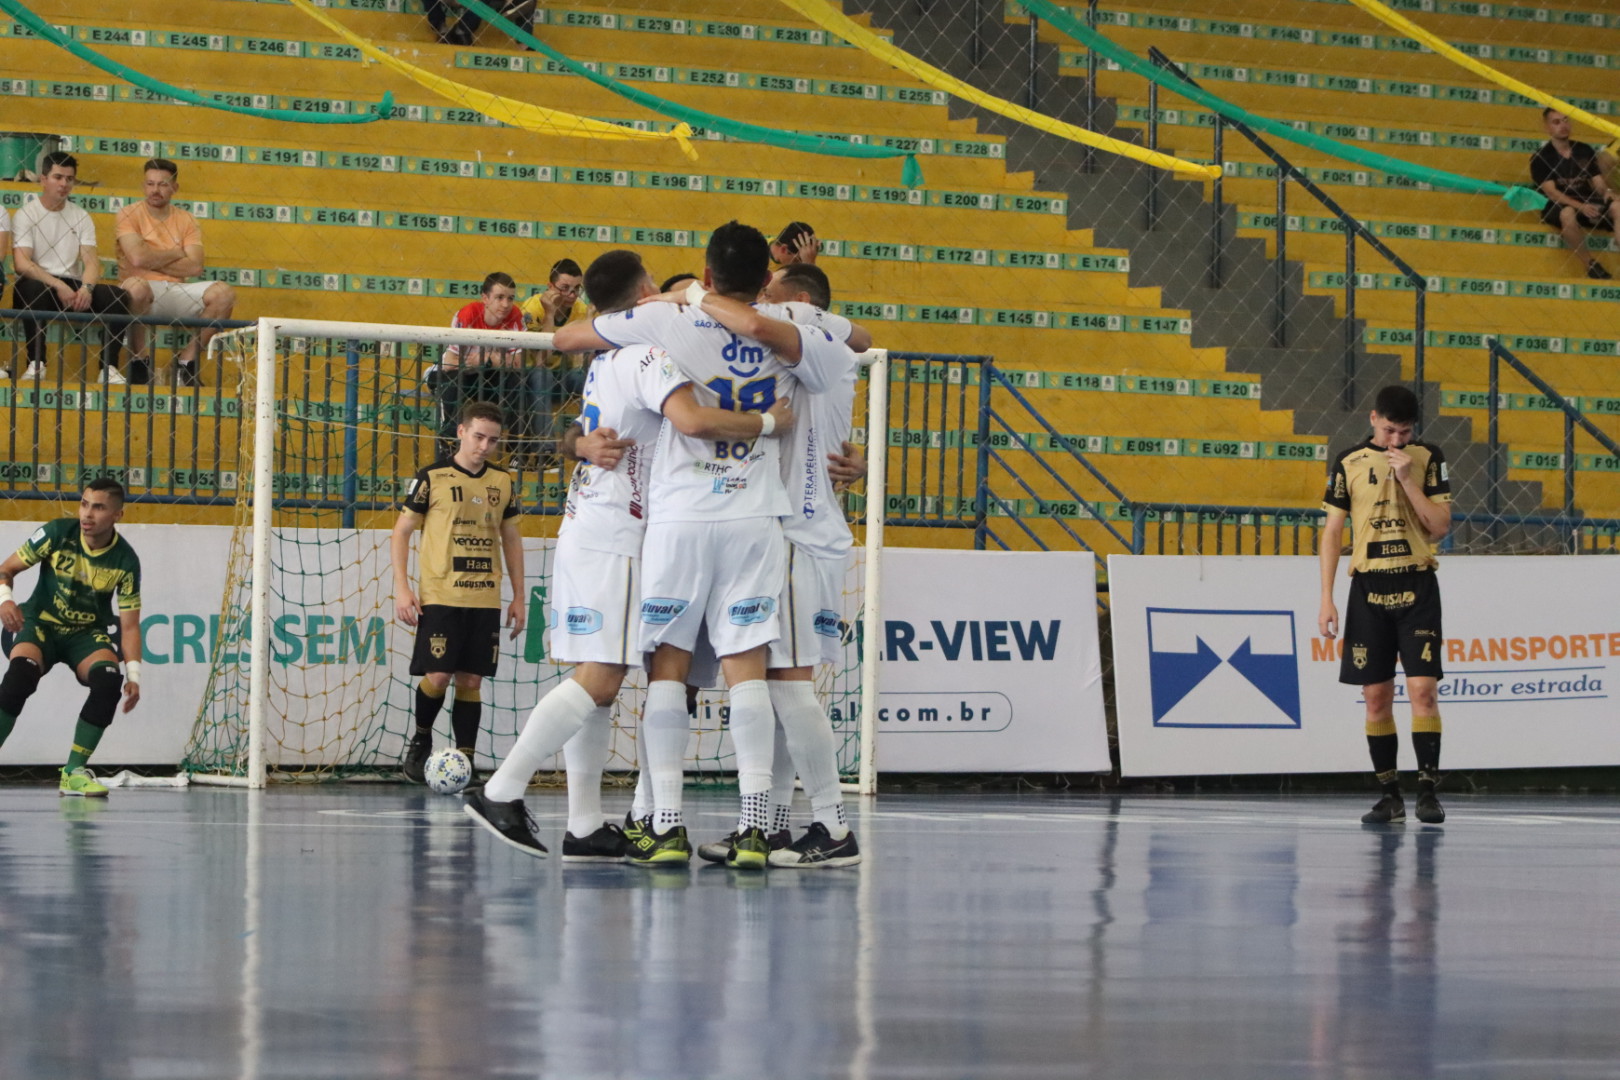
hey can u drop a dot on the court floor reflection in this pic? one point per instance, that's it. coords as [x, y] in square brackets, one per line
[371, 931]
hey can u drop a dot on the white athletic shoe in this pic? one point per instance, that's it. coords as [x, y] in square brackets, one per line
[36, 370]
[113, 377]
[5, 373]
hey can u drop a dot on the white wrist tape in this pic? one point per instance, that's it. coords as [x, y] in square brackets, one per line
[132, 671]
[695, 293]
[768, 423]
[5, 594]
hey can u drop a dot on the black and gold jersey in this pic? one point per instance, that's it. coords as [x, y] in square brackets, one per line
[459, 557]
[1386, 534]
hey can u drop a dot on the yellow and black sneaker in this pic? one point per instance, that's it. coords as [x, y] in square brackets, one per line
[751, 850]
[718, 851]
[643, 846]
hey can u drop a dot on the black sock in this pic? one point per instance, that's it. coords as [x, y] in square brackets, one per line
[464, 717]
[429, 700]
[1384, 750]
[1426, 745]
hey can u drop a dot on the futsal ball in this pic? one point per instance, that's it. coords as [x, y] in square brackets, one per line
[447, 771]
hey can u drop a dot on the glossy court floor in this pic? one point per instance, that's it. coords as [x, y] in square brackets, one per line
[370, 931]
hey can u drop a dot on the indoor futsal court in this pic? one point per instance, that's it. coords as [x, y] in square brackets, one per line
[361, 931]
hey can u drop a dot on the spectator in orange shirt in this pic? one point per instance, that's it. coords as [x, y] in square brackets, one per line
[159, 247]
[479, 372]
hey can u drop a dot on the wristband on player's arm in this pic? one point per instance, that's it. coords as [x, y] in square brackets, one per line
[695, 292]
[5, 595]
[767, 424]
[132, 671]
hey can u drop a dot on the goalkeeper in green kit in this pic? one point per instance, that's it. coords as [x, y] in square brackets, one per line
[81, 565]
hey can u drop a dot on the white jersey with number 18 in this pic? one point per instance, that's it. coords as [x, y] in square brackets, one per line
[721, 480]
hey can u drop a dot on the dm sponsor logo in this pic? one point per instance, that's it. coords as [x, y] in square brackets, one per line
[583, 620]
[661, 610]
[1223, 668]
[755, 609]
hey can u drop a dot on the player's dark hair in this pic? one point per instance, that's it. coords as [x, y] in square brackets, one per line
[614, 279]
[161, 164]
[738, 258]
[55, 158]
[812, 279]
[1396, 404]
[1548, 111]
[109, 485]
[482, 410]
[671, 282]
[561, 267]
[499, 277]
[792, 231]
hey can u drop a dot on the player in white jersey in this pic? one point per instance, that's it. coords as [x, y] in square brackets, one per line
[714, 551]
[596, 597]
[819, 542]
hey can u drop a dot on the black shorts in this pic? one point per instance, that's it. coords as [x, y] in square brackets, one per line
[1552, 215]
[1390, 615]
[457, 639]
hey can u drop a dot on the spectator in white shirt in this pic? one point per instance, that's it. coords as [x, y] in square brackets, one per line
[54, 249]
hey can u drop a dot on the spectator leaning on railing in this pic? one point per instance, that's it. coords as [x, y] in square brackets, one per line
[556, 377]
[1571, 175]
[477, 372]
[159, 247]
[54, 252]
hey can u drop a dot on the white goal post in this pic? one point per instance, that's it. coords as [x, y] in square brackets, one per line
[271, 407]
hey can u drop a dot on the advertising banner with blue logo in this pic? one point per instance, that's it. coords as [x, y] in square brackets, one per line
[1220, 669]
[991, 663]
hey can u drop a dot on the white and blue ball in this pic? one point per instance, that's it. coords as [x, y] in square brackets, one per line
[447, 771]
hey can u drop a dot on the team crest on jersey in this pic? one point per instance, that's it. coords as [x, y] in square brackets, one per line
[1358, 656]
[494, 496]
[438, 645]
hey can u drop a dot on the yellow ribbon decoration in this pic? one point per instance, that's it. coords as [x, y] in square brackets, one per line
[1439, 45]
[521, 114]
[833, 21]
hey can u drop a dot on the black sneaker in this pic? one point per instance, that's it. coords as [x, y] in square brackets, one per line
[509, 821]
[186, 375]
[415, 764]
[1429, 810]
[1390, 810]
[1595, 271]
[750, 850]
[644, 846]
[817, 848]
[604, 845]
[140, 371]
[717, 851]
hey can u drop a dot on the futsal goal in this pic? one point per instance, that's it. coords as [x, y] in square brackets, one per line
[309, 678]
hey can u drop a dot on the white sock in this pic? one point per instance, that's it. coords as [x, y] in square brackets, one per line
[552, 722]
[782, 774]
[641, 802]
[665, 730]
[586, 756]
[753, 737]
[810, 739]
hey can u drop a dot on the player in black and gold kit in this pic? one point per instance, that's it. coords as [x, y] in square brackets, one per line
[467, 511]
[1396, 494]
[82, 563]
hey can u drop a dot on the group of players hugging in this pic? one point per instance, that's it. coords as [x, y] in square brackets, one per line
[703, 531]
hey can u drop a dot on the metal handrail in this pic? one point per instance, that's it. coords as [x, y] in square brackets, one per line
[1353, 229]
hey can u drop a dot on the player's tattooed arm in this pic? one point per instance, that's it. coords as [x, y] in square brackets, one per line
[10, 614]
[682, 410]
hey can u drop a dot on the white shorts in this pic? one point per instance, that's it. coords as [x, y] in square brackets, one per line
[729, 573]
[812, 613]
[595, 596]
[178, 299]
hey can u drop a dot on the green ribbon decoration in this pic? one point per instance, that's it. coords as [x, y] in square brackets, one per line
[1518, 196]
[382, 111]
[911, 174]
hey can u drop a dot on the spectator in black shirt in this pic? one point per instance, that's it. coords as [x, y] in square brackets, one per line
[1571, 175]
